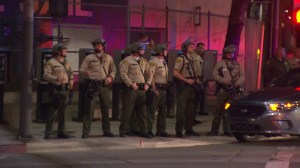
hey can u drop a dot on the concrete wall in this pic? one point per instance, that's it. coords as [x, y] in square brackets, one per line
[181, 20]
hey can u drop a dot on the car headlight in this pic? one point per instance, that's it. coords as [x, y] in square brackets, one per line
[283, 106]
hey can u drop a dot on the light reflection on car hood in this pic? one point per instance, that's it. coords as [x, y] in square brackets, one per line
[271, 94]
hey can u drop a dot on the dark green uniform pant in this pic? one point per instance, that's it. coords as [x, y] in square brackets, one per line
[185, 109]
[56, 111]
[223, 96]
[133, 101]
[200, 97]
[171, 100]
[158, 104]
[89, 106]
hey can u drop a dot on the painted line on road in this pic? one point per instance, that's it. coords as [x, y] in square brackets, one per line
[282, 158]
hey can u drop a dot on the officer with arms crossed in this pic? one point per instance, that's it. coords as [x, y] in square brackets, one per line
[134, 72]
[231, 77]
[185, 79]
[157, 96]
[99, 71]
[59, 74]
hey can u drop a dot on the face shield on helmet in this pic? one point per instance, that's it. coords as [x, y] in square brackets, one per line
[229, 51]
[100, 41]
[185, 44]
[159, 49]
[58, 48]
[138, 48]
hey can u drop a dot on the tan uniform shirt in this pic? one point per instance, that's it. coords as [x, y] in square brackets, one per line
[131, 71]
[54, 69]
[198, 66]
[158, 70]
[183, 66]
[221, 72]
[99, 67]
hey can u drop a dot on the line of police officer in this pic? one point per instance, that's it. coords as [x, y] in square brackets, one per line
[144, 89]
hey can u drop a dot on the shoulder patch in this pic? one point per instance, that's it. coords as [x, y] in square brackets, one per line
[124, 61]
[151, 63]
[143, 60]
[48, 63]
[178, 60]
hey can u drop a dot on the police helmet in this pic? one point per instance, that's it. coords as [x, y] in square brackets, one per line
[58, 47]
[136, 47]
[230, 49]
[185, 45]
[159, 48]
[99, 41]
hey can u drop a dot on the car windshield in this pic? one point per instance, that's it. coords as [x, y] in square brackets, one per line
[292, 78]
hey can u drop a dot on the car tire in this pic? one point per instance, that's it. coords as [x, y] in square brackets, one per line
[245, 137]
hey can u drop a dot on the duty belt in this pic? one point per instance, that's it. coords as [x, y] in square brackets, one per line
[100, 83]
[59, 87]
[161, 86]
[189, 77]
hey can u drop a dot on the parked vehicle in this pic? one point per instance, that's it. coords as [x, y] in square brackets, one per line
[271, 111]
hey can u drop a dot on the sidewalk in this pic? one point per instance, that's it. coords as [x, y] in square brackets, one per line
[39, 144]
[9, 144]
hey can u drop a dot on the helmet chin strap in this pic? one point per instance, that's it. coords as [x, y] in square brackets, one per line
[97, 51]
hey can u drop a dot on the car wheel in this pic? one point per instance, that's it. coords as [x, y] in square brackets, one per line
[246, 137]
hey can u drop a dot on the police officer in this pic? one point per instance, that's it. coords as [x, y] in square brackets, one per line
[59, 74]
[157, 95]
[99, 71]
[134, 72]
[185, 78]
[230, 76]
[200, 92]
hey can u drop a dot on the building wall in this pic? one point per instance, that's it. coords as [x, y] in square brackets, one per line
[181, 20]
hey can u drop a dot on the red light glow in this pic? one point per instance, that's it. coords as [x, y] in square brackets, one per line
[297, 15]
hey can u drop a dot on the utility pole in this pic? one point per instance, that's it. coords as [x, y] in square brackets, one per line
[26, 79]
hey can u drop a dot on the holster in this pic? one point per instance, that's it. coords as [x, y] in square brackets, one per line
[234, 90]
[92, 88]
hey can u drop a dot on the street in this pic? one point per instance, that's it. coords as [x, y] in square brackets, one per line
[280, 152]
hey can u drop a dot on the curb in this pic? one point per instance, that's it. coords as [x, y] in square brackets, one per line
[120, 143]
